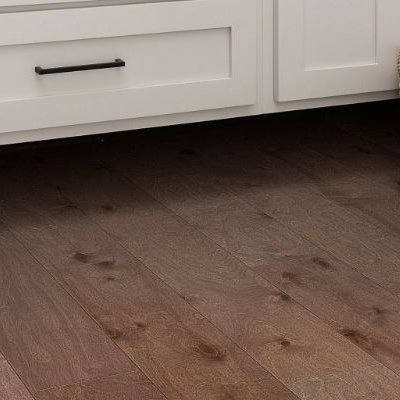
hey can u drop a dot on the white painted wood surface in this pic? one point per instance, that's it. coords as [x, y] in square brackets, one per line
[195, 82]
[16, 3]
[202, 56]
[328, 48]
[6, 3]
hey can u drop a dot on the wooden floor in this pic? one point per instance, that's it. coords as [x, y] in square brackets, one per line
[250, 259]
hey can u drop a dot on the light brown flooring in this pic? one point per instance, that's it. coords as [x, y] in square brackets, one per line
[250, 259]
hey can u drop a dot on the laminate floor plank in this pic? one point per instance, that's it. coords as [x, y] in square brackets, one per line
[11, 387]
[377, 123]
[44, 334]
[180, 351]
[293, 198]
[281, 335]
[371, 383]
[355, 306]
[116, 387]
[370, 195]
[346, 168]
[257, 224]
[352, 148]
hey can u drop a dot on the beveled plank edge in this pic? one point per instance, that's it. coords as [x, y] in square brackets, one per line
[15, 379]
[112, 239]
[119, 172]
[373, 374]
[68, 292]
[77, 384]
[184, 221]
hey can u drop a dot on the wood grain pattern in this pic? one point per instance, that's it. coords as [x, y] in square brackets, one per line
[346, 168]
[117, 387]
[372, 383]
[182, 353]
[285, 338]
[292, 197]
[11, 387]
[44, 334]
[358, 308]
[271, 236]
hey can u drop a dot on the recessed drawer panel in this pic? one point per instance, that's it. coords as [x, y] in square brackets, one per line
[203, 56]
[154, 59]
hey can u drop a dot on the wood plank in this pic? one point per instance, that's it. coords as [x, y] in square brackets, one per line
[361, 310]
[352, 158]
[376, 122]
[360, 178]
[44, 333]
[282, 336]
[182, 353]
[371, 191]
[117, 387]
[291, 196]
[345, 167]
[373, 382]
[11, 387]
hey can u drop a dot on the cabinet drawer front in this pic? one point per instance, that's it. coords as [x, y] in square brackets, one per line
[178, 56]
[8, 3]
[335, 47]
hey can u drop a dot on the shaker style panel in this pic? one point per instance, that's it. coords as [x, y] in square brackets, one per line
[79, 66]
[330, 48]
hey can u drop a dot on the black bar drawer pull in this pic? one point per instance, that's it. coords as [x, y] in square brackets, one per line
[88, 67]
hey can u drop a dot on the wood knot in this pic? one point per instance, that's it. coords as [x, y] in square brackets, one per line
[114, 333]
[379, 311]
[211, 352]
[320, 262]
[357, 337]
[106, 264]
[264, 215]
[81, 257]
[140, 325]
[282, 297]
[126, 334]
[285, 343]
[348, 332]
[107, 208]
[186, 297]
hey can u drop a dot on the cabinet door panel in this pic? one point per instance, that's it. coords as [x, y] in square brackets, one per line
[335, 47]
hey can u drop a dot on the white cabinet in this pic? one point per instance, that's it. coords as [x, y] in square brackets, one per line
[178, 57]
[17, 3]
[329, 48]
[9, 3]
[186, 61]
